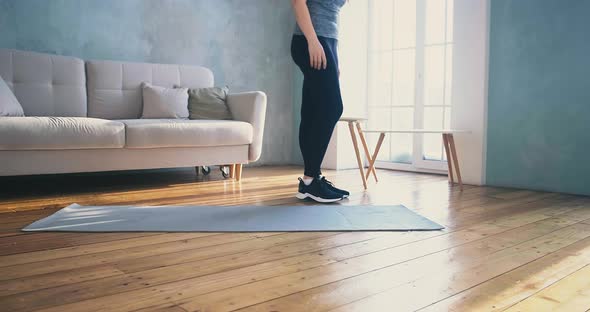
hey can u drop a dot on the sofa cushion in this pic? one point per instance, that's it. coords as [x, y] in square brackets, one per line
[114, 88]
[45, 84]
[9, 105]
[154, 133]
[209, 103]
[51, 133]
[160, 102]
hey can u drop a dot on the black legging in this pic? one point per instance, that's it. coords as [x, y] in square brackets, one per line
[322, 102]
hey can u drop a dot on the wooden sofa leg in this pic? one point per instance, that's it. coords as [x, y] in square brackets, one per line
[238, 172]
[232, 171]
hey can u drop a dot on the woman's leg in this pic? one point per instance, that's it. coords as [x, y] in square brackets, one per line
[320, 110]
[302, 134]
[321, 106]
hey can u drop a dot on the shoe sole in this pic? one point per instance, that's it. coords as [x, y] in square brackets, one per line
[343, 195]
[318, 199]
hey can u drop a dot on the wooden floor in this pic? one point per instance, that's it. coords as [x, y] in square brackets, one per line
[502, 250]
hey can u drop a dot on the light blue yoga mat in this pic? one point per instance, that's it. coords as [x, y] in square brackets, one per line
[76, 218]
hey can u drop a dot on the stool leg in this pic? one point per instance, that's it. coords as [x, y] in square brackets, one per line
[455, 159]
[366, 148]
[449, 159]
[374, 158]
[358, 154]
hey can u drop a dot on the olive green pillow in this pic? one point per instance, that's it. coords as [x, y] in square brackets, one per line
[209, 103]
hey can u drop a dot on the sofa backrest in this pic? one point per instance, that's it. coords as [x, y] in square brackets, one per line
[114, 88]
[45, 84]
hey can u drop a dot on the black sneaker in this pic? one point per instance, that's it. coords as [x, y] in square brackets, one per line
[333, 188]
[318, 191]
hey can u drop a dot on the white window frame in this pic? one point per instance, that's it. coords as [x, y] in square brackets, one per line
[418, 163]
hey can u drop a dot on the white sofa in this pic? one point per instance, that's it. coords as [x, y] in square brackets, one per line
[85, 117]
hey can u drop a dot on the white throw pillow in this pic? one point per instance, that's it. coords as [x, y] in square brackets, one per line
[9, 105]
[159, 102]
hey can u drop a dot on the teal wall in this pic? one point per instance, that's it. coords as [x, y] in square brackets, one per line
[539, 95]
[245, 43]
[7, 21]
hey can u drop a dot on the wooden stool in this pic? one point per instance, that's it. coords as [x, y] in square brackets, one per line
[355, 126]
[448, 143]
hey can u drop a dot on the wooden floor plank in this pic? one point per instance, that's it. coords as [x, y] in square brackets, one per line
[512, 287]
[163, 308]
[437, 287]
[212, 192]
[380, 275]
[515, 246]
[116, 284]
[32, 242]
[179, 290]
[570, 294]
[182, 270]
[199, 244]
[319, 297]
[128, 282]
[88, 249]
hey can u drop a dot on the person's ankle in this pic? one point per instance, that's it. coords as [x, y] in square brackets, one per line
[307, 180]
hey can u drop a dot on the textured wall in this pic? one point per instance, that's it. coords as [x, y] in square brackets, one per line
[539, 95]
[7, 34]
[245, 43]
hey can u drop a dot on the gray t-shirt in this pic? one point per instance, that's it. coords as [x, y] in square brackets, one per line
[324, 17]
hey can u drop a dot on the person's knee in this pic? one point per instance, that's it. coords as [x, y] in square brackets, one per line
[336, 112]
[340, 110]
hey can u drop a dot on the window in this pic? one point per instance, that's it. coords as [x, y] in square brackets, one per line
[410, 79]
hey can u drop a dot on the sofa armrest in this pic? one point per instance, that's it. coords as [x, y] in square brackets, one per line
[250, 107]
